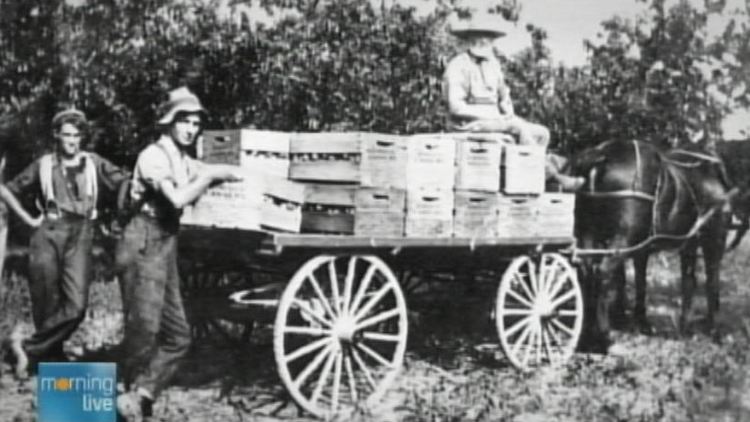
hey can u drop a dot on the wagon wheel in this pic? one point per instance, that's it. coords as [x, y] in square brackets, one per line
[539, 311]
[340, 333]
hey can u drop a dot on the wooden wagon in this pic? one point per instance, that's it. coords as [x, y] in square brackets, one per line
[340, 324]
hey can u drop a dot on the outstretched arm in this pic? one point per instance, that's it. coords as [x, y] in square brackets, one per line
[13, 203]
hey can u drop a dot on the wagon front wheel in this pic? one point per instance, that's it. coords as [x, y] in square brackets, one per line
[340, 333]
[539, 311]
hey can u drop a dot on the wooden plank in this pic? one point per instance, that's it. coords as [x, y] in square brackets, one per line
[345, 241]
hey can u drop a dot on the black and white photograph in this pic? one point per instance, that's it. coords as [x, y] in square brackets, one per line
[374, 210]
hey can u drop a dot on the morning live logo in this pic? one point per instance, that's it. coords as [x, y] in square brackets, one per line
[77, 392]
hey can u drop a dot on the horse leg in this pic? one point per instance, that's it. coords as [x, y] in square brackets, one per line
[620, 303]
[640, 264]
[712, 246]
[687, 285]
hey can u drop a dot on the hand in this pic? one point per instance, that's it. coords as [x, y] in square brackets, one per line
[224, 173]
[481, 125]
[35, 222]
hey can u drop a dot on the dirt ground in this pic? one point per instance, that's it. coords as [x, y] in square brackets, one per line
[661, 377]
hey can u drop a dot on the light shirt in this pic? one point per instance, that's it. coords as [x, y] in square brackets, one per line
[158, 162]
[474, 88]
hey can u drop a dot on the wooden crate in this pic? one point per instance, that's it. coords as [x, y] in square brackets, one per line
[282, 205]
[325, 156]
[556, 214]
[379, 212]
[523, 169]
[383, 162]
[517, 216]
[430, 161]
[259, 150]
[478, 164]
[235, 205]
[475, 214]
[328, 208]
[429, 213]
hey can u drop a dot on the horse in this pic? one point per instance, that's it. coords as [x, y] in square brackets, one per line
[639, 199]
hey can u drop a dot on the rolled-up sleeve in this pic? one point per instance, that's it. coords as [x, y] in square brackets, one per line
[110, 175]
[153, 168]
[24, 180]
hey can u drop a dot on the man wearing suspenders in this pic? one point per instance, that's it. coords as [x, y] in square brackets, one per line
[165, 180]
[66, 185]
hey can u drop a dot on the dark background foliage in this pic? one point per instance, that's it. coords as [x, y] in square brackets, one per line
[345, 65]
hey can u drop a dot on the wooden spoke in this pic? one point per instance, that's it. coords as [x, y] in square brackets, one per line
[375, 355]
[312, 366]
[309, 348]
[372, 302]
[362, 288]
[381, 337]
[519, 280]
[517, 312]
[348, 282]
[365, 369]
[518, 297]
[532, 276]
[323, 378]
[333, 278]
[310, 331]
[562, 327]
[564, 298]
[302, 306]
[378, 318]
[321, 297]
[336, 383]
[350, 376]
[520, 324]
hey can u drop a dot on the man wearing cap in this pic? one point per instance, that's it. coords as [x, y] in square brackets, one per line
[479, 99]
[66, 185]
[165, 179]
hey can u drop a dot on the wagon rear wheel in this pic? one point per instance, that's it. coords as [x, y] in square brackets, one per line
[340, 333]
[539, 311]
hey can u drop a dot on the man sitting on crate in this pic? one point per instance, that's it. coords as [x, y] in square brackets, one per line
[478, 98]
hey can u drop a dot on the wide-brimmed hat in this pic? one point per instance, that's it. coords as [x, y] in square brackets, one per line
[73, 113]
[180, 99]
[478, 25]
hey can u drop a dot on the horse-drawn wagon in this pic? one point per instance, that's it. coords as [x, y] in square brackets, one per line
[339, 308]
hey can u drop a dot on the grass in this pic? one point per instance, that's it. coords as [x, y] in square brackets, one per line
[664, 377]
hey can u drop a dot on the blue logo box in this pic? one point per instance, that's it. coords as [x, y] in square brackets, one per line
[77, 392]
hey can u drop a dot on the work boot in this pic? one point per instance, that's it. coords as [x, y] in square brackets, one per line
[134, 407]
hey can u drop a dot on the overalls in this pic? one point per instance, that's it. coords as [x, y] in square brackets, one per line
[157, 334]
[60, 249]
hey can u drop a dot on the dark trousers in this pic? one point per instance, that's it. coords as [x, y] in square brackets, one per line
[157, 334]
[59, 278]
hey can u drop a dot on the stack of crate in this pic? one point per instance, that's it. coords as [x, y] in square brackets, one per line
[430, 178]
[327, 165]
[264, 199]
[380, 202]
[477, 186]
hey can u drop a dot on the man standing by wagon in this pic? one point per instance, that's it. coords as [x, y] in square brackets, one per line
[479, 99]
[165, 179]
[66, 184]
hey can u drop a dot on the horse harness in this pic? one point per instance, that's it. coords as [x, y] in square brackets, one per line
[636, 191]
